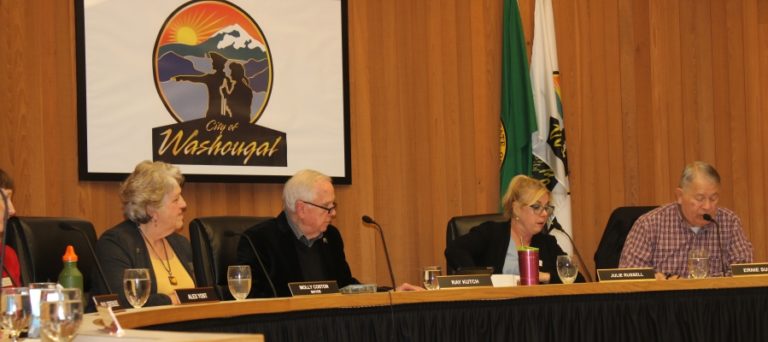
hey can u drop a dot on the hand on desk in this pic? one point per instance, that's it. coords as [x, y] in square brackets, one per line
[409, 287]
[664, 276]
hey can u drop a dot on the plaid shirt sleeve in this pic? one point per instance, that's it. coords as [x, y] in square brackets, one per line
[739, 248]
[638, 248]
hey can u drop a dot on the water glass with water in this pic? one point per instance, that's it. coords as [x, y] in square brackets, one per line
[567, 269]
[430, 277]
[61, 313]
[137, 285]
[16, 311]
[698, 263]
[239, 281]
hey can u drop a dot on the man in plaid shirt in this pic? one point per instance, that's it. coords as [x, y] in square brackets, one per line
[664, 237]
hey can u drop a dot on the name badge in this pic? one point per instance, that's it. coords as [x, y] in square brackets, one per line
[7, 282]
[626, 274]
[741, 270]
[467, 280]
[313, 288]
[108, 301]
[197, 295]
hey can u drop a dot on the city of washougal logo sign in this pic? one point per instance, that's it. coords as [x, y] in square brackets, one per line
[213, 72]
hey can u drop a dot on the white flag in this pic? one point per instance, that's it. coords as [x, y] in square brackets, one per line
[549, 153]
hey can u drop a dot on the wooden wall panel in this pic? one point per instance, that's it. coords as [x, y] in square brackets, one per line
[647, 87]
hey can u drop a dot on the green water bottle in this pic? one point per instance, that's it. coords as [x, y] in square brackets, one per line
[70, 276]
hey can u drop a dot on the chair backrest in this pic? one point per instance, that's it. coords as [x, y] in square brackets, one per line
[461, 225]
[40, 243]
[619, 224]
[213, 248]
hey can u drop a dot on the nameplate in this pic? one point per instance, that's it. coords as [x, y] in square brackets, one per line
[313, 288]
[108, 321]
[741, 270]
[197, 295]
[465, 280]
[626, 274]
[108, 301]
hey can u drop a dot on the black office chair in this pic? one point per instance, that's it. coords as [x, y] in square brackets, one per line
[40, 243]
[619, 224]
[461, 225]
[213, 249]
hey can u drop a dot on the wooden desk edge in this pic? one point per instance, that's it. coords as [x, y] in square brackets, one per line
[179, 313]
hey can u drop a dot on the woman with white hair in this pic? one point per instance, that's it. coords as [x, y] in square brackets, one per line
[154, 210]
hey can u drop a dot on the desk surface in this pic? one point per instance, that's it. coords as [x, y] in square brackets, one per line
[222, 310]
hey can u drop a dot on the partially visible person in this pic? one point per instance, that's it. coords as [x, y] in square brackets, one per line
[11, 273]
[300, 244]
[664, 237]
[527, 205]
[148, 238]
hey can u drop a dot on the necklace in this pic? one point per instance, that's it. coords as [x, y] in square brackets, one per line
[171, 277]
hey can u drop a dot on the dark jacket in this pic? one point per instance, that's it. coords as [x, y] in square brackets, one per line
[486, 245]
[122, 247]
[274, 241]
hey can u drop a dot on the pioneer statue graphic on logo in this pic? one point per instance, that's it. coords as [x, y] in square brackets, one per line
[213, 71]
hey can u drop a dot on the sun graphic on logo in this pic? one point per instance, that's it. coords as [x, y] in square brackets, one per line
[212, 61]
[189, 26]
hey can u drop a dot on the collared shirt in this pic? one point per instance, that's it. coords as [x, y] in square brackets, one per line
[299, 235]
[663, 238]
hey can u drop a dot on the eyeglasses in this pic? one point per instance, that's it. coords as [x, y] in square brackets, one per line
[328, 209]
[538, 208]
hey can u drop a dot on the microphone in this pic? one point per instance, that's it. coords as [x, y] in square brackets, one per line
[70, 227]
[5, 229]
[258, 258]
[367, 219]
[723, 266]
[556, 226]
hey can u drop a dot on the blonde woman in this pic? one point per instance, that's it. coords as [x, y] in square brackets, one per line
[154, 210]
[527, 205]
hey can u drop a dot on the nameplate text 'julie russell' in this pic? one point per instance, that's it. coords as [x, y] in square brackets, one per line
[626, 274]
[755, 269]
[197, 295]
[313, 288]
[465, 280]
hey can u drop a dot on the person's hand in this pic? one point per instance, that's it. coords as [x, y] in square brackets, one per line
[663, 276]
[409, 287]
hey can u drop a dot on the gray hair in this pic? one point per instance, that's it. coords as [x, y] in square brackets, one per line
[146, 187]
[301, 187]
[698, 168]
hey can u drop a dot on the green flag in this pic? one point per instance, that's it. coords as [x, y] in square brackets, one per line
[518, 116]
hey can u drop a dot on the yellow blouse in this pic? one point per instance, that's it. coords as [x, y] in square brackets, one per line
[183, 279]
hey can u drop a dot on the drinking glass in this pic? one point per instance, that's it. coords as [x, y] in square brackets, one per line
[16, 310]
[37, 292]
[430, 277]
[239, 281]
[567, 269]
[61, 312]
[698, 263]
[136, 284]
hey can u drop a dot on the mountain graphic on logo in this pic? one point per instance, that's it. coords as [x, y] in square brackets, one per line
[231, 42]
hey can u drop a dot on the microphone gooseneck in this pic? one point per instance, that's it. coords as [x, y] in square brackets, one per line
[723, 262]
[258, 258]
[367, 219]
[67, 226]
[556, 226]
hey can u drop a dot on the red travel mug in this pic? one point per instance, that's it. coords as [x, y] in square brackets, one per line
[529, 265]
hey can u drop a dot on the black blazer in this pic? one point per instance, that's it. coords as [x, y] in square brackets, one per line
[122, 247]
[486, 245]
[274, 241]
